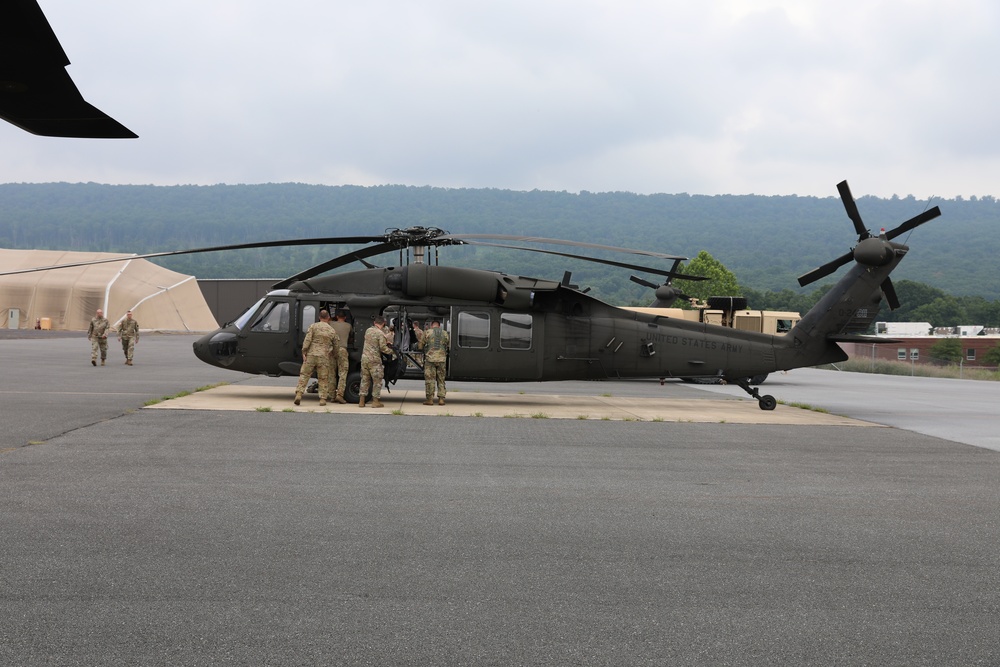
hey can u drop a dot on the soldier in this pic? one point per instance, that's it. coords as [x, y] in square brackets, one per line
[435, 343]
[341, 364]
[318, 349]
[97, 334]
[128, 334]
[371, 362]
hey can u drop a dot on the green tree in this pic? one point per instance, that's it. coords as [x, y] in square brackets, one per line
[992, 356]
[948, 350]
[721, 281]
[941, 312]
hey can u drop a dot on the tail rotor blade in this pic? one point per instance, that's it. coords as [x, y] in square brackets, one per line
[852, 210]
[914, 222]
[826, 269]
[890, 294]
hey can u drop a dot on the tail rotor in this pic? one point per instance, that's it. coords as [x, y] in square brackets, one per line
[870, 250]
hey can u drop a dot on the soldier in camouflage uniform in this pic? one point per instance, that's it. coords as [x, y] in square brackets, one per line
[97, 334]
[128, 334]
[341, 365]
[371, 362]
[318, 349]
[435, 343]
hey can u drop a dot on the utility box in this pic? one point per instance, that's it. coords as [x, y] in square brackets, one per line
[14, 318]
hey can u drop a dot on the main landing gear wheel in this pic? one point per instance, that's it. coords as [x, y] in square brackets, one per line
[766, 402]
[352, 393]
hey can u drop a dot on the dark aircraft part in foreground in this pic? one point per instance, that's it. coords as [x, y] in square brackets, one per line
[36, 92]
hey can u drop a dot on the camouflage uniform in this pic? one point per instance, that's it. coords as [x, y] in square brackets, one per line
[128, 333]
[318, 348]
[371, 364]
[97, 334]
[341, 365]
[435, 342]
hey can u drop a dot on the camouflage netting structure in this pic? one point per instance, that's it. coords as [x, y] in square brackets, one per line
[66, 299]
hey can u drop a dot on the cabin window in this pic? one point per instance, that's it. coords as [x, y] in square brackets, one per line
[273, 318]
[783, 326]
[308, 316]
[473, 329]
[901, 354]
[515, 331]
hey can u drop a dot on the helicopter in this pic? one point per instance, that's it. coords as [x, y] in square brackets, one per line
[36, 92]
[518, 328]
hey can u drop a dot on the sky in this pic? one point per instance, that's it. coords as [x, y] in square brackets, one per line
[647, 96]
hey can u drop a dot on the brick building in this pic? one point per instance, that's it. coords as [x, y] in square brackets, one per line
[915, 340]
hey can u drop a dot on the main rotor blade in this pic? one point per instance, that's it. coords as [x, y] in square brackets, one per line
[239, 246]
[644, 283]
[661, 272]
[914, 222]
[826, 269]
[852, 210]
[343, 260]
[538, 239]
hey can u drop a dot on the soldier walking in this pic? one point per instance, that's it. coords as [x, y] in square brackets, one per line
[97, 334]
[128, 334]
[318, 349]
[435, 344]
[372, 372]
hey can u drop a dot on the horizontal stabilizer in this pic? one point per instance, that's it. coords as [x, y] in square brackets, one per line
[861, 338]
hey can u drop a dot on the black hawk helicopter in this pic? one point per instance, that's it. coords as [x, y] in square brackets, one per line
[517, 328]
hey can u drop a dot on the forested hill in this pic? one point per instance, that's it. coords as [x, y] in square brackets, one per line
[766, 241]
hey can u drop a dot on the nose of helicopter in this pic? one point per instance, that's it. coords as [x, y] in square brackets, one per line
[217, 348]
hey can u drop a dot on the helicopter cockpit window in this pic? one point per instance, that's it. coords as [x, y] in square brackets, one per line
[272, 318]
[242, 320]
[515, 331]
[473, 329]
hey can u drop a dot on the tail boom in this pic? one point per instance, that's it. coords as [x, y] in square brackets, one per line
[848, 307]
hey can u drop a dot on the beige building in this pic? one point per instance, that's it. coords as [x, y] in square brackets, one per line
[160, 299]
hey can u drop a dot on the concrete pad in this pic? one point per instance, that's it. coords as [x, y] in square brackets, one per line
[536, 406]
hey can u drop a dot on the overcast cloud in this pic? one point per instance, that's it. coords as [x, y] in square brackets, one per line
[716, 97]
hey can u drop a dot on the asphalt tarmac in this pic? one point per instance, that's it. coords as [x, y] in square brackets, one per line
[196, 537]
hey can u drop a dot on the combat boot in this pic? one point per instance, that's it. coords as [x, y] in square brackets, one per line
[298, 398]
[102, 361]
[322, 402]
[340, 399]
[377, 404]
[441, 401]
[429, 401]
[128, 363]
[361, 403]
[93, 362]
